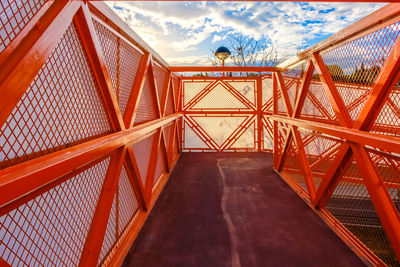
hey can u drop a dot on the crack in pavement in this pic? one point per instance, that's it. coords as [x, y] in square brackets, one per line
[235, 259]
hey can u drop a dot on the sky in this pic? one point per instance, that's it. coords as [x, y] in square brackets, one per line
[185, 33]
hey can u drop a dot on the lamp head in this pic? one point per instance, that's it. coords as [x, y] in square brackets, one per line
[222, 53]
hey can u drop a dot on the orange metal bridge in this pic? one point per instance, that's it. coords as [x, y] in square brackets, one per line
[93, 122]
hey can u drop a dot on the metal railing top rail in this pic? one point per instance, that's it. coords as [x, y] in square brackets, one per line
[374, 21]
[100, 9]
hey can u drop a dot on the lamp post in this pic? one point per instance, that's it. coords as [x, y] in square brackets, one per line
[222, 53]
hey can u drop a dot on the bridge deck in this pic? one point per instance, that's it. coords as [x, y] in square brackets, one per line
[231, 209]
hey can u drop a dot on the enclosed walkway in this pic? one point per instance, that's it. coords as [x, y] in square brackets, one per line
[231, 209]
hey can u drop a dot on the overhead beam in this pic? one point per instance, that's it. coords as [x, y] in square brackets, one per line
[222, 69]
[346, 1]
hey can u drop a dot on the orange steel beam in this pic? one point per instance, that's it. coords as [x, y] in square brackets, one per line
[32, 53]
[179, 134]
[171, 142]
[275, 123]
[378, 19]
[164, 150]
[156, 99]
[305, 84]
[386, 80]
[387, 143]
[345, 1]
[21, 179]
[330, 89]
[102, 10]
[221, 69]
[304, 163]
[92, 47]
[214, 112]
[333, 174]
[136, 92]
[238, 132]
[6, 60]
[167, 89]
[134, 177]
[260, 130]
[383, 203]
[175, 97]
[97, 230]
[298, 106]
[137, 223]
[199, 96]
[244, 100]
[284, 94]
[293, 131]
[179, 97]
[318, 105]
[151, 169]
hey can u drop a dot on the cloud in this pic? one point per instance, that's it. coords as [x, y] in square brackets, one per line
[187, 31]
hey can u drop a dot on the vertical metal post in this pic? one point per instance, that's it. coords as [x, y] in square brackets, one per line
[275, 112]
[259, 114]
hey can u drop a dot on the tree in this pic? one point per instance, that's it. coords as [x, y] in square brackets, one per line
[248, 52]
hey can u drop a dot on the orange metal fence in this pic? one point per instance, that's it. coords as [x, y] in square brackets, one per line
[337, 136]
[225, 114]
[84, 101]
[89, 133]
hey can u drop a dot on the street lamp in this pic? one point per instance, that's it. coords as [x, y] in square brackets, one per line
[222, 53]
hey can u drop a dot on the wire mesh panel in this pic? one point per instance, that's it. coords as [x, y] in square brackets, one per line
[354, 66]
[220, 114]
[352, 206]
[219, 132]
[320, 151]
[268, 135]
[293, 167]
[161, 167]
[246, 88]
[14, 16]
[122, 60]
[111, 235]
[388, 120]
[292, 80]
[191, 89]
[142, 152]
[62, 107]
[147, 109]
[123, 210]
[50, 229]
[169, 108]
[267, 93]
[218, 98]
[161, 77]
[177, 92]
[193, 139]
[246, 139]
[127, 201]
[168, 133]
[317, 104]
